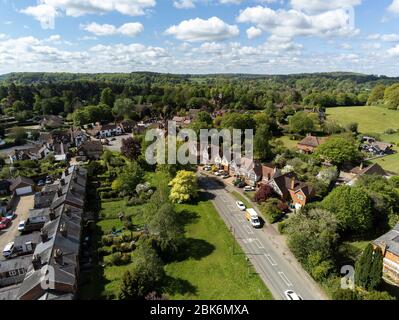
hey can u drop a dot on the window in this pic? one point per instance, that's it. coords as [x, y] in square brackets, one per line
[12, 273]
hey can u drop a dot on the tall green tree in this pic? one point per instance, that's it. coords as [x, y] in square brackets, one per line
[369, 269]
[262, 147]
[107, 97]
[352, 207]
[338, 150]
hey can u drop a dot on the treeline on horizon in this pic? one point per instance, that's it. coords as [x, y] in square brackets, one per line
[26, 95]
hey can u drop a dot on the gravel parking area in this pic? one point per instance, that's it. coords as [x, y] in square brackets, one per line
[115, 146]
[22, 208]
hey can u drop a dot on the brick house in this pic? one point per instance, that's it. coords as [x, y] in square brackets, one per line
[295, 192]
[389, 244]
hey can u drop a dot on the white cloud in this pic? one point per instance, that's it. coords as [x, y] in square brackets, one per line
[184, 4]
[127, 29]
[318, 6]
[292, 23]
[198, 29]
[392, 37]
[47, 10]
[394, 52]
[253, 32]
[394, 7]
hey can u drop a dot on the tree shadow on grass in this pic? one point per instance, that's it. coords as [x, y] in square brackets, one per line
[195, 249]
[174, 286]
[187, 217]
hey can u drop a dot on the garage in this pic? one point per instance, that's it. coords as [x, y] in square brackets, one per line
[22, 186]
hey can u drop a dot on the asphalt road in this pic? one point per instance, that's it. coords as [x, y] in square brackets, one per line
[277, 269]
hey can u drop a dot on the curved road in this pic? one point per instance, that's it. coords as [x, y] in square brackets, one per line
[278, 270]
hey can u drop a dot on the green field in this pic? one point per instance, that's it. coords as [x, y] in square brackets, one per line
[372, 120]
[217, 273]
[209, 270]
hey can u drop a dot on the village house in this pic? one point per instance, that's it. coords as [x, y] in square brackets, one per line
[77, 136]
[90, 150]
[378, 148]
[13, 272]
[128, 125]
[269, 171]
[309, 144]
[351, 176]
[22, 186]
[389, 244]
[251, 171]
[105, 130]
[295, 192]
[51, 122]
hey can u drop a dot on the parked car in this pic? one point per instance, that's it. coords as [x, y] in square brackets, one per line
[291, 295]
[241, 185]
[218, 173]
[226, 176]
[8, 250]
[21, 226]
[241, 205]
[207, 168]
[11, 215]
[249, 189]
[4, 223]
[49, 180]
[41, 183]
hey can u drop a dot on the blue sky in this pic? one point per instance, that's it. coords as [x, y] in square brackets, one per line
[200, 36]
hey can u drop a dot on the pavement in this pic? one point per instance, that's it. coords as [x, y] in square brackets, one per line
[22, 209]
[265, 248]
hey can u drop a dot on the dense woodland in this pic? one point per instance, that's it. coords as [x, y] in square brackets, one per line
[26, 95]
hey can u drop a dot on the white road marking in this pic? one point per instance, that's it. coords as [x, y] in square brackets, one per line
[259, 244]
[231, 207]
[224, 199]
[271, 261]
[240, 219]
[285, 279]
[249, 229]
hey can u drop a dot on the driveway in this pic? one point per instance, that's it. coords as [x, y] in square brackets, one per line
[22, 209]
[115, 146]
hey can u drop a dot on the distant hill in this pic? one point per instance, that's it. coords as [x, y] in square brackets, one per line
[28, 78]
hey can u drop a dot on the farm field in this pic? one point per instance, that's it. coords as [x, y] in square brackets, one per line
[372, 120]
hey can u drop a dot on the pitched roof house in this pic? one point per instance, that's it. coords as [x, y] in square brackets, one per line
[91, 150]
[57, 254]
[350, 177]
[296, 192]
[309, 144]
[251, 170]
[389, 244]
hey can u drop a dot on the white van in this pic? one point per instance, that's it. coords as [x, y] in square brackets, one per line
[8, 250]
[253, 218]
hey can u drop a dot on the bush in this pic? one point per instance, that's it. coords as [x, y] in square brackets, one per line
[119, 259]
[107, 240]
[271, 211]
[282, 227]
[394, 181]
[135, 201]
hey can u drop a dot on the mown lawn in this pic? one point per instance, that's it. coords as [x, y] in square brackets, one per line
[373, 120]
[288, 142]
[209, 271]
[212, 271]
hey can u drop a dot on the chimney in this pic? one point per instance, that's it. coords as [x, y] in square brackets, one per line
[63, 230]
[383, 248]
[52, 214]
[62, 182]
[68, 211]
[292, 183]
[36, 262]
[59, 192]
[62, 148]
[58, 257]
[43, 235]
